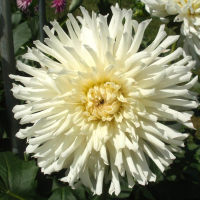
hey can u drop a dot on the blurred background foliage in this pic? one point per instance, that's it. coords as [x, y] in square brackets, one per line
[22, 179]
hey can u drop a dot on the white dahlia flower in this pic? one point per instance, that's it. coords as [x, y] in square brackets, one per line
[187, 12]
[191, 46]
[97, 103]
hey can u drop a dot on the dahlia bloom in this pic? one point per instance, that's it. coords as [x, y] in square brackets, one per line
[23, 4]
[191, 46]
[59, 5]
[97, 107]
[186, 11]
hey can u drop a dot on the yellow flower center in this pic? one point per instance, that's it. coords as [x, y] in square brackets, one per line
[102, 101]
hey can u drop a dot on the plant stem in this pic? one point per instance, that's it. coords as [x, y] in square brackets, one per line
[172, 50]
[14, 195]
[11, 194]
[26, 156]
[173, 47]
[120, 3]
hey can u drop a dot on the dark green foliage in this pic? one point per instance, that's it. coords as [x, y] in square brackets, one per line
[16, 18]
[21, 35]
[74, 5]
[63, 193]
[34, 26]
[104, 8]
[139, 9]
[17, 178]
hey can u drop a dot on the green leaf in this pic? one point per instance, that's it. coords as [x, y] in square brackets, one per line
[34, 26]
[192, 174]
[172, 178]
[5, 197]
[196, 165]
[62, 194]
[153, 167]
[198, 152]
[56, 184]
[21, 35]
[196, 87]
[192, 146]
[17, 178]
[74, 5]
[16, 18]
[125, 192]
[96, 197]
[146, 193]
[79, 193]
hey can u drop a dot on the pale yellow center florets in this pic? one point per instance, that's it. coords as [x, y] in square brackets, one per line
[102, 101]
